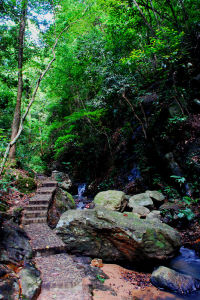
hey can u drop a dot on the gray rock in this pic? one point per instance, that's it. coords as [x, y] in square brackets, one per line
[154, 214]
[141, 200]
[65, 185]
[141, 210]
[155, 195]
[114, 200]
[113, 236]
[171, 280]
[30, 282]
[63, 179]
[62, 202]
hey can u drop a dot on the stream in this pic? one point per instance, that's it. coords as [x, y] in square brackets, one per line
[187, 262]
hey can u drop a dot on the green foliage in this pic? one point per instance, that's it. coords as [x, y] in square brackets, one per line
[163, 49]
[6, 180]
[188, 200]
[3, 141]
[108, 183]
[179, 179]
[171, 192]
[186, 213]
[96, 101]
[101, 278]
[26, 184]
[177, 119]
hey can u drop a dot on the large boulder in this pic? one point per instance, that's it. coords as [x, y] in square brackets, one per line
[62, 202]
[171, 280]
[114, 236]
[114, 200]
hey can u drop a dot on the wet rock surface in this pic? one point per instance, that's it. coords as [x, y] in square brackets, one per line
[115, 236]
[171, 280]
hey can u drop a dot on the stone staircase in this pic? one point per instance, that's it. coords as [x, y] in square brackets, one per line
[61, 278]
[36, 211]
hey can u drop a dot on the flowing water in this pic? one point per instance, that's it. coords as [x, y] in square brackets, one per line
[134, 174]
[79, 198]
[187, 262]
[81, 190]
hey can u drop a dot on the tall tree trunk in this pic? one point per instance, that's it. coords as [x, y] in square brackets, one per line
[144, 18]
[17, 113]
[173, 13]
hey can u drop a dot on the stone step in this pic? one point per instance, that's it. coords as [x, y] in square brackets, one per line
[34, 220]
[49, 251]
[49, 184]
[39, 202]
[41, 197]
[36, 207]
[35, 214]
[46, 190]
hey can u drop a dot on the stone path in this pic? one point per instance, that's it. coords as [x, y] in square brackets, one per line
[62, 279]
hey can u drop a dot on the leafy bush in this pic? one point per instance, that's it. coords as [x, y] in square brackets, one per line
[26, 184]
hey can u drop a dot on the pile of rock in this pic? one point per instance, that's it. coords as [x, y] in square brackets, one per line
[144, 205]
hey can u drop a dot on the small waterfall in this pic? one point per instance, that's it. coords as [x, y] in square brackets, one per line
[81, 190]
[135, 173]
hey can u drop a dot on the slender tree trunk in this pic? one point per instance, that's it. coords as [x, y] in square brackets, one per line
[173, 13]
[17, 113]
[144, 18]
[135, 114]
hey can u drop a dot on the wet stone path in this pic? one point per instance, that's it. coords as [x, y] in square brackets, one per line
[62, 278]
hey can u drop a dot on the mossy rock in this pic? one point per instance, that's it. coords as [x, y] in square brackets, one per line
[111, 199]
[26, 184]
[114, 236]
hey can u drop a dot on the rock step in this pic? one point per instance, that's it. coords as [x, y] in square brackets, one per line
[46, 190]
[39, 197]
[34, 220]
[49, 184]
[35, 214]
[49, 251]
[38, 202]
[42, 237]
[36, 207]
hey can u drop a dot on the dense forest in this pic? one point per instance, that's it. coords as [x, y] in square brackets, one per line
[121, 96]
[99, 130]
